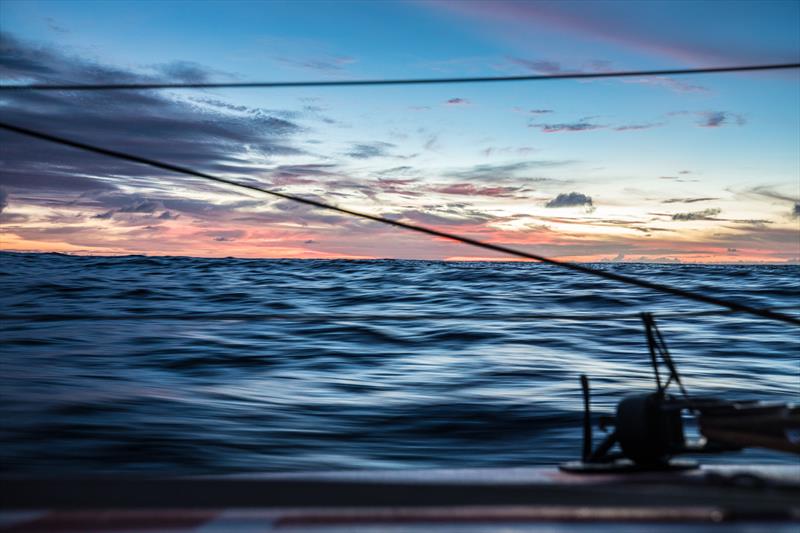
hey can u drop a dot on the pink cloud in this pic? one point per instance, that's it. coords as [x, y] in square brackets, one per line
[611, 24]
[468, 189]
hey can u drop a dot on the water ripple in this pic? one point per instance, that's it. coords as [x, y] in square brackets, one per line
[214, 396]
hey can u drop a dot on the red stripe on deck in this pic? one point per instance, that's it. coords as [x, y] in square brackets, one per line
[503, 515]
[80, 521]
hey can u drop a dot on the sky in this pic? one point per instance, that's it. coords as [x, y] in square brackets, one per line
[653, 169]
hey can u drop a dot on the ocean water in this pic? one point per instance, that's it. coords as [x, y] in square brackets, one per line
[196, 366]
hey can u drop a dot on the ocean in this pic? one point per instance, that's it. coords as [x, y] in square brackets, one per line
[207, 366]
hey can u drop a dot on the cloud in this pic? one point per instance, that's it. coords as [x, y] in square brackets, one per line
[283, 175]
[507, 171]
[571, 199]
[678, 179]
[540, 66]
[631, 127]
[621, 258]
[323, 64]
[715, 119]
[769, 193]
[586, 125]
[137, 206]
[214, 102]
[158, 125]
[141, 206]
[457, 101]
[569, 126]
[226, 235]
[3, 199]
[687, 200]
[432, 142]
[668, 83]
[468, 189]
[625, 25]
[766, 192]
[183, 71]
[761, 222]
[54, 26]
[705, 214]
[444, 215]
[370, 150]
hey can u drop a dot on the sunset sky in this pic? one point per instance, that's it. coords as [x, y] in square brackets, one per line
[685, 168]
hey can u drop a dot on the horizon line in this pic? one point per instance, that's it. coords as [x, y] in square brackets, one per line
[456, 259]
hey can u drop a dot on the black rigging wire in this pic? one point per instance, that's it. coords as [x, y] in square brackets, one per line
[413, 81]
[733, 306]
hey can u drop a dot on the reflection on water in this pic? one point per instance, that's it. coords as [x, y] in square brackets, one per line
[193, 394]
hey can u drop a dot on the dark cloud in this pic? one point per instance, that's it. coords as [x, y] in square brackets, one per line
[226, 235]
[3, 199]
[705, 214]
[432, 142]
[621, 258]
[715, 119]
[571, 199]
[678, 179]
[141, 206]
[457, 101]
[443, 215]
[398, 186]
[403, 170]
[324, 64]
[567, 126]
[370, 150]
[752, 221]
[669, 83]
[136, 206]
[54, 26]
[634, 127]
[301, 174]
[766, 192]
[774, 195]
[540, 66]
[147, 123]
[214, 102]
[687, 200]
[506, 171]
[183, 71]
[540, 111]
[468, 189]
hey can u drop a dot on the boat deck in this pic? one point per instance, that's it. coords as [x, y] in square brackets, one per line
[735, 498]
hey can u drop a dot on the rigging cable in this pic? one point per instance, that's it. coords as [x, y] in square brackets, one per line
[691, 295]
[412, 81]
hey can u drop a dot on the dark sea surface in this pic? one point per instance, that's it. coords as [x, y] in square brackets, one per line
[183, 365]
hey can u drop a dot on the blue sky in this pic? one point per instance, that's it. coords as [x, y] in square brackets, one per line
[702, 168]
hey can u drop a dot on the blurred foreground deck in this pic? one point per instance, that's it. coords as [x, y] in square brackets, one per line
[733, 498]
